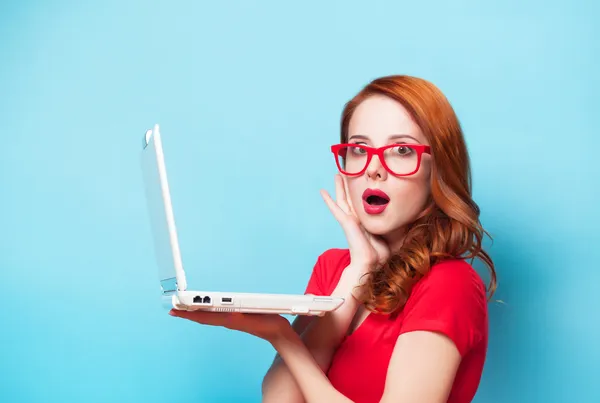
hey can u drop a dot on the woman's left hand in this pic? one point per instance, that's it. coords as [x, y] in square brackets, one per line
[266, 326]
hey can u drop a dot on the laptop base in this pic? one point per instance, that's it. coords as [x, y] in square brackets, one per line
[284, 304]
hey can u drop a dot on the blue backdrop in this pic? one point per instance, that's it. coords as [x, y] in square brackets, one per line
[246, 95]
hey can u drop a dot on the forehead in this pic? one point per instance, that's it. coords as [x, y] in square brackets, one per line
[379, 117]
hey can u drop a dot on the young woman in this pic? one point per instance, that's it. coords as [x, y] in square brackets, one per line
[414, 324]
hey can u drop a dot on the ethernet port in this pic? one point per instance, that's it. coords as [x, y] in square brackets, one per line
[206, 300]
[197, 299]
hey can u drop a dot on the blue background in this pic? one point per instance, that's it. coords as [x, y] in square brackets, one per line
[246, 95]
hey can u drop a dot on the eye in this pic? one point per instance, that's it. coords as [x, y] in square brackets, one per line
[403, 150]
[357, 149]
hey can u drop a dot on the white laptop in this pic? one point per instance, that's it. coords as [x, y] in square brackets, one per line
[171, 272]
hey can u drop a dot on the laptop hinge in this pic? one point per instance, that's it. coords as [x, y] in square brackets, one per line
[168, 286]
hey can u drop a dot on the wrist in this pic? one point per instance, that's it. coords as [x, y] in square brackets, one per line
[351, 282]
[285, 337]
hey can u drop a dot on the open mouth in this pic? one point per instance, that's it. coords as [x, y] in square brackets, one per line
[376, 200]
[375, 197]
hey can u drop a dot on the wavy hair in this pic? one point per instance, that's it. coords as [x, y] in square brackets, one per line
[449, 228]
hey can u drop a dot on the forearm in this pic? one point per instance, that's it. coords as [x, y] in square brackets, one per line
[279, 385]
[325, 334]
[321, 339]
[309, 378]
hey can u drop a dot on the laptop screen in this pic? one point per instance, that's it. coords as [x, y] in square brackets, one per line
[163, 249]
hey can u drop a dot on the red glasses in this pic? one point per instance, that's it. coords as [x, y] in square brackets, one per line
[397, 159]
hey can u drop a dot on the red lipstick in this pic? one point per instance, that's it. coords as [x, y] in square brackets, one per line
[375, 201]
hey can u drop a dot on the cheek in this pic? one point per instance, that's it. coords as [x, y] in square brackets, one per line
[411, 195]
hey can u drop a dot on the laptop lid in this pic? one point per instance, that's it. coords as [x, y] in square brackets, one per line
[162, 220]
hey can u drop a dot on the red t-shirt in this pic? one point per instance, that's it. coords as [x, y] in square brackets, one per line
[450, 299]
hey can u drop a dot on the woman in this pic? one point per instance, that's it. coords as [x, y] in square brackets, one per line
[414, 325]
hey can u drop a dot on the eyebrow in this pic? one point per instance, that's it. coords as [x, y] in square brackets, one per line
[392, 137]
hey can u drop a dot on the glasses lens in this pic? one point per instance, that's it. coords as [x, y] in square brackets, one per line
[352, 159]
[401, 160]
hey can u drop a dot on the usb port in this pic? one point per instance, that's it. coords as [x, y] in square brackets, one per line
[226, 300]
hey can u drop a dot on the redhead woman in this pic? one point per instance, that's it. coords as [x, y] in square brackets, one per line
[414, 324]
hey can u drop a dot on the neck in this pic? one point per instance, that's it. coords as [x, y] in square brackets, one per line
[395, 239]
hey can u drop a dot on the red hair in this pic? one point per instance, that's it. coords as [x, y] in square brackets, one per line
[449, 228]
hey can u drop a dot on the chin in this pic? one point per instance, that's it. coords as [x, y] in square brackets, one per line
[378, 225]
[383, 224]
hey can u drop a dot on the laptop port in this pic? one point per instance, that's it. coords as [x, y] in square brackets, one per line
[226, 300]
[197, 299]
[206, 300]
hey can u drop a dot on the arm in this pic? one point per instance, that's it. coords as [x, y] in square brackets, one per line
[422, 369]
[278, 384]
[323, 335]
[320, 337]
[445, 316]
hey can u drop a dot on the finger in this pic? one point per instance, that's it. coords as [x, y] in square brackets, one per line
[348, 225]
[354, 235]
[340, 194]
[349, 200]
[337, 212]
[204, 318]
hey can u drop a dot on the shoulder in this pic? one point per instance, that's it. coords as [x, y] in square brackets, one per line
[334, 257]
[451, 299]
[327, 271]
[331, 265]
[452, 277]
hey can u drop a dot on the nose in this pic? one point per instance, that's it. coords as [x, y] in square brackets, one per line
[375, 169]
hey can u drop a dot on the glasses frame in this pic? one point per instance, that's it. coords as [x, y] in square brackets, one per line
[378, 151]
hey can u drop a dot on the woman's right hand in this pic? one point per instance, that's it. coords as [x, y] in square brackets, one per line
[366, 250]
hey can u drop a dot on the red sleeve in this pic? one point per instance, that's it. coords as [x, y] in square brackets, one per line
[327, 272]
[450, 300]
